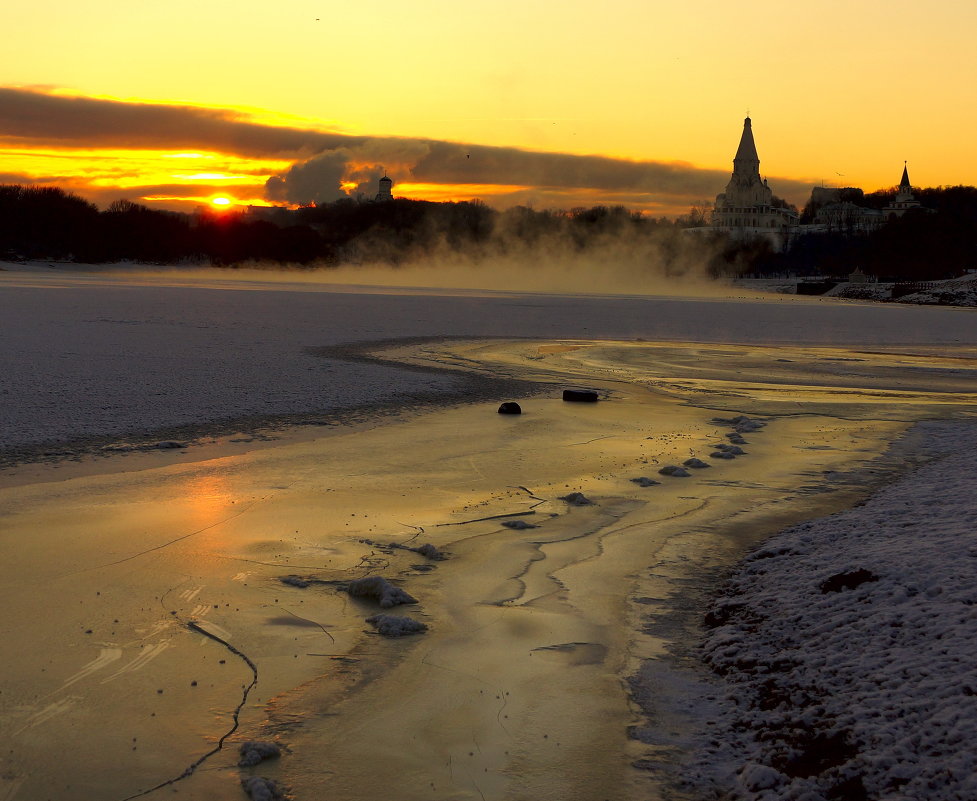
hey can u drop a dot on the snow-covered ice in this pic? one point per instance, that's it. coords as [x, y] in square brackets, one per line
[845, 650]
[111, 355]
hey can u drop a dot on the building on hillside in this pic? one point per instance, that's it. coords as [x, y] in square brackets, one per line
[386, 190]
[840, 209]
[845, 216]
[905, 199]
[748, 207]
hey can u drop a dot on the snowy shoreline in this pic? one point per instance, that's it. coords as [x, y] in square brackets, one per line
[959, 292]
[842, 651]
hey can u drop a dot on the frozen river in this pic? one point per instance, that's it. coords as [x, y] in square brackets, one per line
[143, 592]
[93, 355]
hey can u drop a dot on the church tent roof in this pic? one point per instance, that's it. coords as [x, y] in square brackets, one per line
[747, 149]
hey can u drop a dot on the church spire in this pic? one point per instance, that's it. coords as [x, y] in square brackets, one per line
[746, 163]
[904, 184]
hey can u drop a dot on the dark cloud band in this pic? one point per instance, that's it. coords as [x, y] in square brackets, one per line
[323, 159]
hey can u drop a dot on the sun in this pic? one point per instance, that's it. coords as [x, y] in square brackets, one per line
[221, 201]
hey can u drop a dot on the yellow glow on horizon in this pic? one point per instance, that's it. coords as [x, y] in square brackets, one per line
[427, 191]
[221, 201]
[190, 202]
[209, 176]
[86, 161]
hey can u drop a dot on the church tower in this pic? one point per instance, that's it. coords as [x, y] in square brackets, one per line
[747, 207]
[905, 199]
[386, 190]
[746, 162]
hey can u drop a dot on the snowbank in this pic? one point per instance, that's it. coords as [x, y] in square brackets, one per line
[847, 650]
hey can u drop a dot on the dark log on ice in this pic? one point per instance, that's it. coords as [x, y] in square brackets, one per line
[580, 395]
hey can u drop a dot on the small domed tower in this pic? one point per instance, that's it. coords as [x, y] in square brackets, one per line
[386, 190]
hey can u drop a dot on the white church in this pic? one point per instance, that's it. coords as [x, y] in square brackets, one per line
[747, 208]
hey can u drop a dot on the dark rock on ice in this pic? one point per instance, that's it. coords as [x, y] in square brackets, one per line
[736, 450]
[382, 590]
[696, 464]
[580, 395]
[170, 444]
[848, 580]
[576, 499]
[749, 425]
[394, 626]
[518, 525]
[644, 481]
[429, 551]
[261, 789]
[722, 455]
[294, 581]
[510, 407]
[254, 751]
[674, 470]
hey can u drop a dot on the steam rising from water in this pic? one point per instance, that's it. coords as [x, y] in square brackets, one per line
[661, 262]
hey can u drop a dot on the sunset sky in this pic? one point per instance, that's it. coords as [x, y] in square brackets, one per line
[557, 104]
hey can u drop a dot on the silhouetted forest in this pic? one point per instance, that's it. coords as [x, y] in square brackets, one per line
[49, 223]
[38, 223]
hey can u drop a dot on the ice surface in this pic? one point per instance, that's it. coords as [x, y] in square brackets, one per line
[110, 355]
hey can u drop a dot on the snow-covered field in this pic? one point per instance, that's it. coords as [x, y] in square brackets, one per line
[846, 650]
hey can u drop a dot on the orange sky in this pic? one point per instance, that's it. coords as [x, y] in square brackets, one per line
[554, 104]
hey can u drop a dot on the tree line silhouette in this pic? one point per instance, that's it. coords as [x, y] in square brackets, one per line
[50, 223]
[936, 241]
